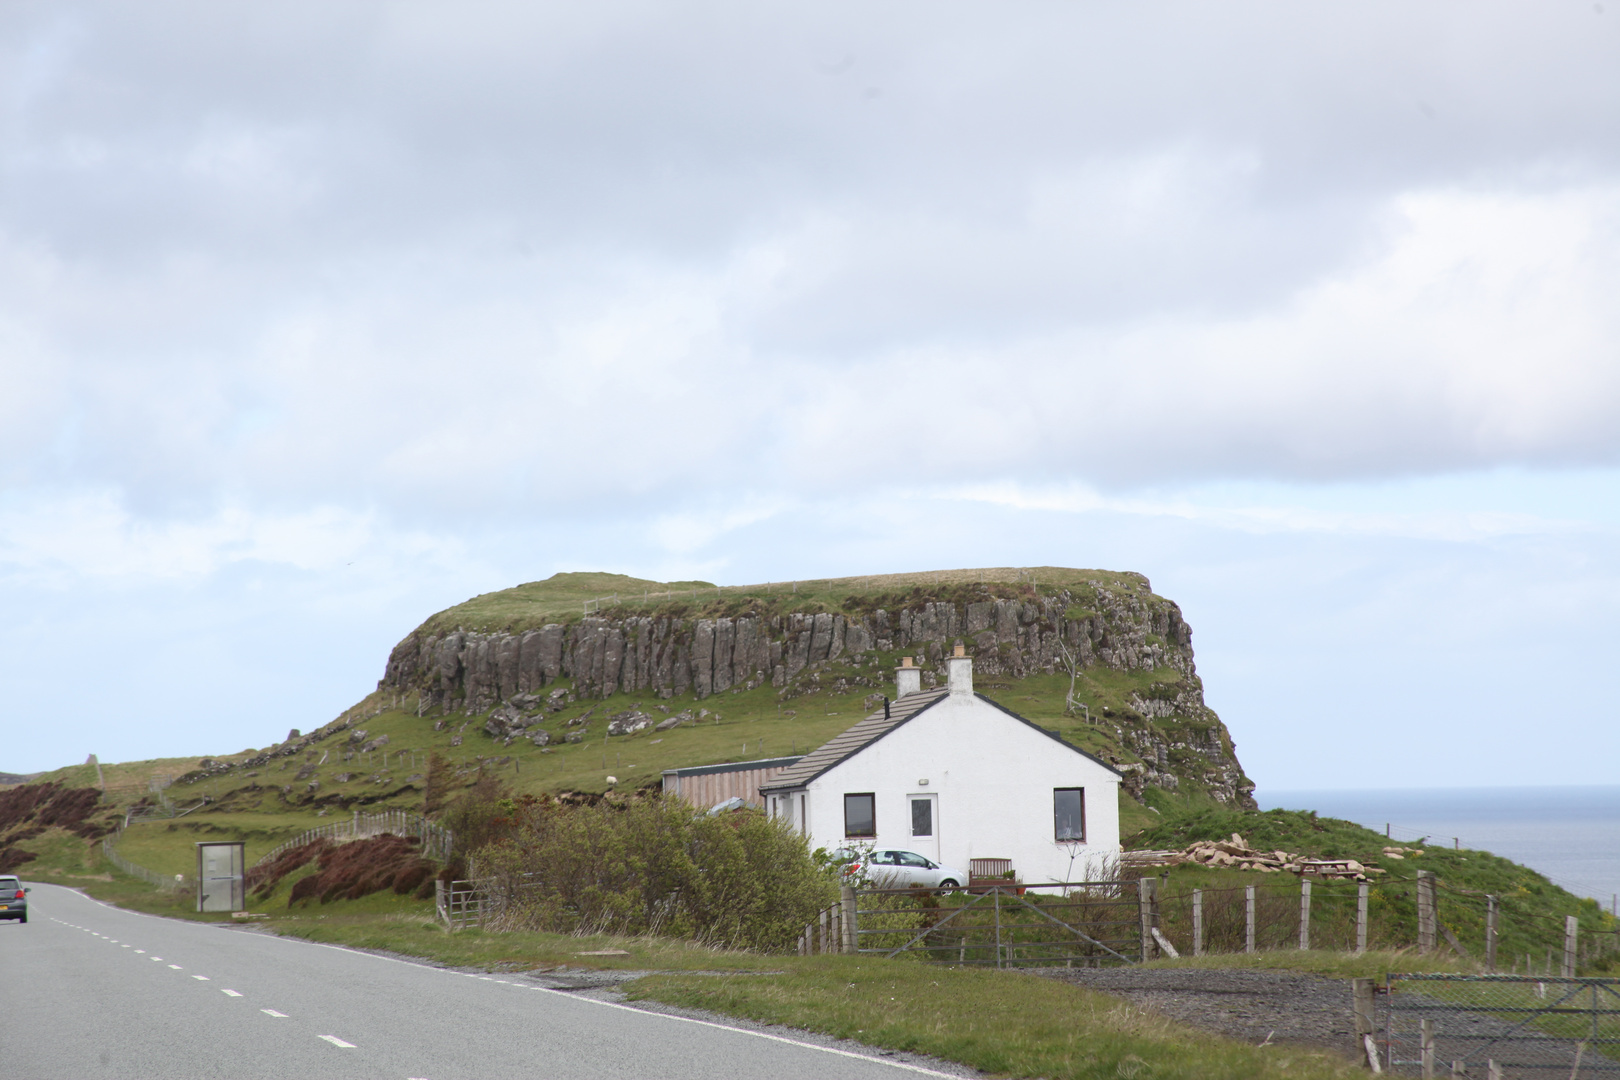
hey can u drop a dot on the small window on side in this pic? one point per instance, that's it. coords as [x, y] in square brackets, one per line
[860, 815]
[1069, 813]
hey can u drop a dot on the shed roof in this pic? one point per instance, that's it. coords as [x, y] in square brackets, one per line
[868, 731]
[733, 766]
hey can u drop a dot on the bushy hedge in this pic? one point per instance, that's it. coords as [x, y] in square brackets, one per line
[657, 866]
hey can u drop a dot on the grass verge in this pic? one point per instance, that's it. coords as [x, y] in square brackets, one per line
[1003, 1022]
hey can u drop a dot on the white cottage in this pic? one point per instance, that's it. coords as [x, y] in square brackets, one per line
[954, 776]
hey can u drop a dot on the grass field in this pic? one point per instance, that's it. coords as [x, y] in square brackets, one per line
[563, 597]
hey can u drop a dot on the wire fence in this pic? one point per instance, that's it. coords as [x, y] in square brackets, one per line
[1514, 934]
[1500, 1026]
[1131, 920]
[109, 848]
[1083, 923]
[437, 841]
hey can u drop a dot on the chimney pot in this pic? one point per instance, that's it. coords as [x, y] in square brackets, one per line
[907, 679]
[959, 672]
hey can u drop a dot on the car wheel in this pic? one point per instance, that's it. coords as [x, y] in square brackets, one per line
[950, 883]
[23, 917]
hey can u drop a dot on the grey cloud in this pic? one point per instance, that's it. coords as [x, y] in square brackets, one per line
[490, 255]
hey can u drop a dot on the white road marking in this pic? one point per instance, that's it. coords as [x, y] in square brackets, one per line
[232, 993]
[335, 1041]
[177, 967]
[155, 959]
[204, 978]
[900, 1065]
[273, 1012]
[141, 951]
[126, 946]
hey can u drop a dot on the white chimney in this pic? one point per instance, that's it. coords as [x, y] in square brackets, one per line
[959, 666]
[907, 679]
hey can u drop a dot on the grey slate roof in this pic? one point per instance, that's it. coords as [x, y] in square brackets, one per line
[855, 739]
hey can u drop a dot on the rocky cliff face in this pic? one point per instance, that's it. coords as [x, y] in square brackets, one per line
[1165, 725]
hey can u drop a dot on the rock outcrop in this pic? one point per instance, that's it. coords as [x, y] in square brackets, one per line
[1013, 631]
[470, 671]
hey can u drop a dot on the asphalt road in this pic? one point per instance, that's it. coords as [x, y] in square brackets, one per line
[90, 991]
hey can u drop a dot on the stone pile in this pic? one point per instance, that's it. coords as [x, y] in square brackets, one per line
[1236, 854]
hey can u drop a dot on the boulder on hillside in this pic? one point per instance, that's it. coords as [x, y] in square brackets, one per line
[628, 723]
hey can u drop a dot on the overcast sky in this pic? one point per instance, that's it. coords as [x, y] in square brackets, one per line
[318, 317]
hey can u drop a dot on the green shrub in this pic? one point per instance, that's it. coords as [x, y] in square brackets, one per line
[654, 866]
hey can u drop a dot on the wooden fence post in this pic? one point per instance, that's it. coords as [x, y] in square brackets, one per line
[1425, 911]
[1248, 918]
[1426, 1047]
[851, 938]
[1361, 991]
[1198, 922]
[1361, 917]
[1304, 915]
[1147, 906]
[1572, 931]
[1490, 933]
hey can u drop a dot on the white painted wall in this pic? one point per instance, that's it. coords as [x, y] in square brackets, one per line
[994, 778]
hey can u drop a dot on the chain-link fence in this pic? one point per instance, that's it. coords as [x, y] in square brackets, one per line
[1501, 1026]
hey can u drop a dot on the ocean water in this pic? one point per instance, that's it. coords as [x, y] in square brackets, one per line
[1570, 834]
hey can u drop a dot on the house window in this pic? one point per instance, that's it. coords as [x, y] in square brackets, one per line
[1069, 813]
[860, 815]
[922, 817]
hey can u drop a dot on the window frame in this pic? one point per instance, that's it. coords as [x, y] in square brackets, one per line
[871, 798]
[1057, 819]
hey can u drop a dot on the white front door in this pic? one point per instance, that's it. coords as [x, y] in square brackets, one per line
[924, 824]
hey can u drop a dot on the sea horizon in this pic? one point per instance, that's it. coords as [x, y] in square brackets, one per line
[1570, 833]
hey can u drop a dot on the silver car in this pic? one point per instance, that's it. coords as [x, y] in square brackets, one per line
[890, 868]
[13, 899]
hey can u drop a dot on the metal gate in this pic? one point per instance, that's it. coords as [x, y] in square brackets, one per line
[1075, 924]
[1502, 1026]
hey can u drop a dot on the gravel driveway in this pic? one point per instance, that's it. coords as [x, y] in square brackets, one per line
[1252, 1006]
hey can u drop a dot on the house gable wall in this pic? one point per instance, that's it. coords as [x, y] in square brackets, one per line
[993, 776]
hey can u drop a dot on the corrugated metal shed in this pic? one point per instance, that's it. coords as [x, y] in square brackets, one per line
[705, 786]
